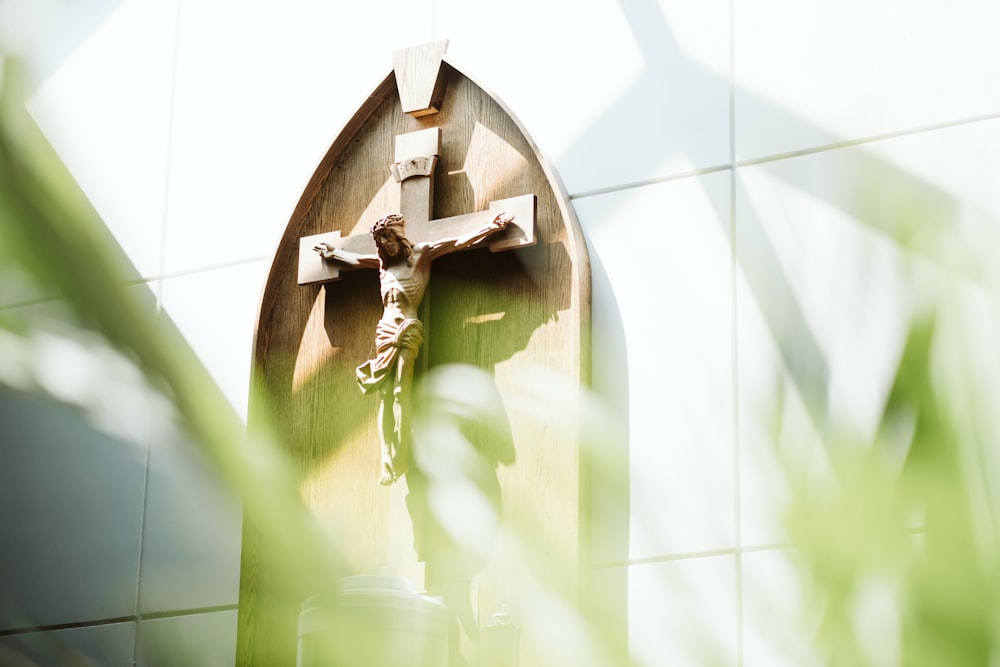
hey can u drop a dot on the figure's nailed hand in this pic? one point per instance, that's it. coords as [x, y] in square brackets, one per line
[324, 249]
[501, 222]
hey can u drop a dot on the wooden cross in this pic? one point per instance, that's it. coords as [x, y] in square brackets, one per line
[415, 159]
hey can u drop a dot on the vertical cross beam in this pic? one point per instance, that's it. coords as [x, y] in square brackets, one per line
[416, 156]
[420, 81]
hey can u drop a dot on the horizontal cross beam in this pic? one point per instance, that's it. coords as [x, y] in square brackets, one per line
[520, 232]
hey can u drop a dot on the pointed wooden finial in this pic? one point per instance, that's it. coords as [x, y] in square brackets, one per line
[418, 77]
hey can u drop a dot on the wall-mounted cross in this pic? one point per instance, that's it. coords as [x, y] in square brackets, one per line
[403, 253]
[415, 159]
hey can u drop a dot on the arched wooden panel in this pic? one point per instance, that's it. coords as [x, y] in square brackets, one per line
[509, 330]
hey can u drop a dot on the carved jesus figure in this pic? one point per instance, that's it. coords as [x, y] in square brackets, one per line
[404, 270]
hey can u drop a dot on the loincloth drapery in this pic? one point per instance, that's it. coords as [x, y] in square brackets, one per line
[391, 336]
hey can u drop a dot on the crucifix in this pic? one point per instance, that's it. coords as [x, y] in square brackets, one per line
[402, 246]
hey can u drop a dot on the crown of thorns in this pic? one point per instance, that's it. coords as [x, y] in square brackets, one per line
[386, 221]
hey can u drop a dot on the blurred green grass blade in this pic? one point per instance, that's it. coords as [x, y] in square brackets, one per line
[48, 228]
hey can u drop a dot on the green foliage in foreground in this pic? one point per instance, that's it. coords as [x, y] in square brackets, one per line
[55, 238]
[905, 525]
[903, 536]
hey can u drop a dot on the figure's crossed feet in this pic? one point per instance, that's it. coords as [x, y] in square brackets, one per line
[388, 475]
[392, 470]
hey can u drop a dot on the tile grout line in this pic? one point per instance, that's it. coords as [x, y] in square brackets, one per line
[149, 280]
[168, 163]
[649, 181]
[871, 139]
[653, 560]
[693, 555]
[55, 627]
[211, 267]
[142, 541]
[734, 342]
[169, 139]
[775, 157]
[114, 620]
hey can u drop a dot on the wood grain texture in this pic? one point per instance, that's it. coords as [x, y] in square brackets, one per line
[418, 75]
[515, 322]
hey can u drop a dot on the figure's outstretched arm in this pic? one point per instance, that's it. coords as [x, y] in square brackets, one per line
[334, 254]
[444, 246]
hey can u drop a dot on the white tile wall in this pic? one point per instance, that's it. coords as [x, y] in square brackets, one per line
[196, 639]
[823, 311]
[194, 126]
[809, 74]
[70, 511]
[108, 645]
[665, 252]
[106, 108]
[684, 613]
[780, 611]
[216, 312]
[836, 252]
[614, 94]
[191, 532]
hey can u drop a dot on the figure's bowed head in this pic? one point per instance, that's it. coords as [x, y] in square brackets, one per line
[389, 233]
[391, 244]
